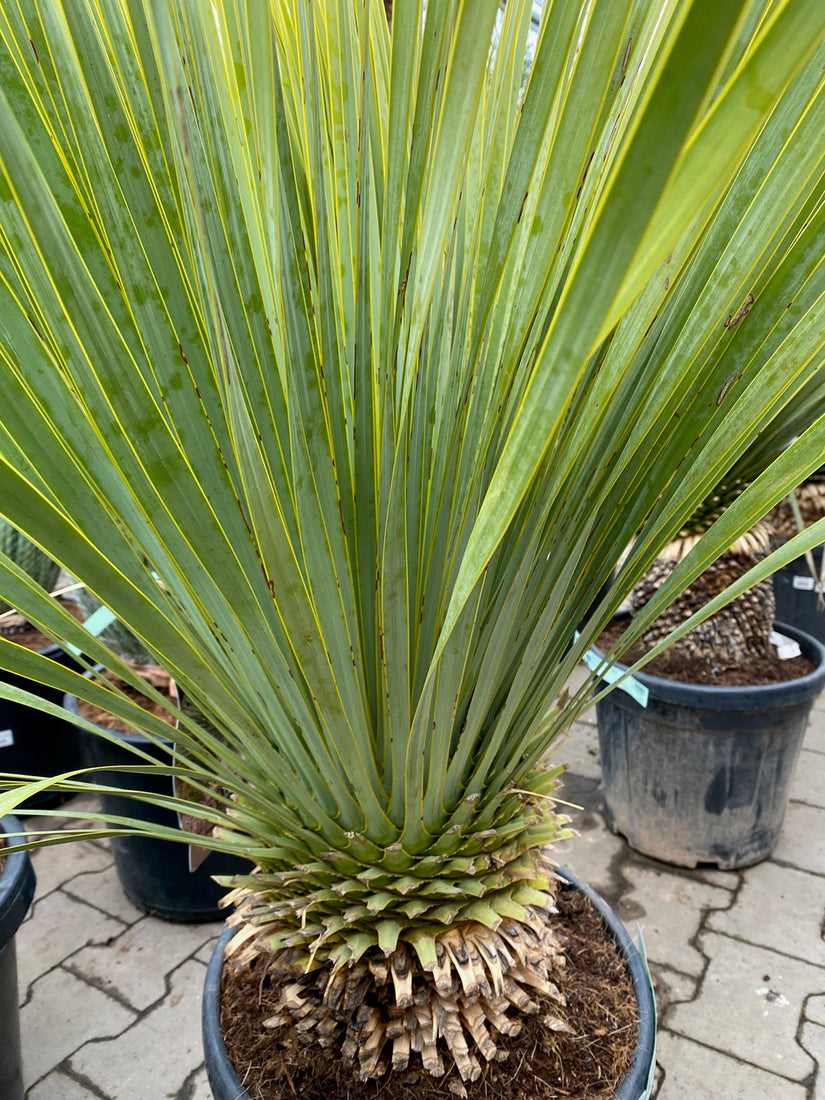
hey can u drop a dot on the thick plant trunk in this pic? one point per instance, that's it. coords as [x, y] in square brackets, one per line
[731, 636]
[811, 500]
[386, 1011]
[399, 954]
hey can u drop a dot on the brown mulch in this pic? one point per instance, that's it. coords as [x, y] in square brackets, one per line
[542, 1064]
[672, 665]
[155, 675]
[16, 629]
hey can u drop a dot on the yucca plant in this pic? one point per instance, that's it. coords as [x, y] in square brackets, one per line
[741, 630]
[331, 361]
[806, 504]
[31, 559]
[113, 633]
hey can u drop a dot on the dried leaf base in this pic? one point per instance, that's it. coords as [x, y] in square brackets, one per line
[551, 1014]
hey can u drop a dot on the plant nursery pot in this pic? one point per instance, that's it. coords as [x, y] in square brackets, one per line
[796, 595]
[226, 1084]
[154, 874]
[35, 743]
[703, 773]
[16, 892]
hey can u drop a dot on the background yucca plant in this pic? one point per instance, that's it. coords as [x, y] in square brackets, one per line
[344, 367]
[739, 631]
[29, 557]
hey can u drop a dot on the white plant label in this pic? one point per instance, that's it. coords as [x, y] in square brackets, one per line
[6, 739]
[806, 584]
[786, 647]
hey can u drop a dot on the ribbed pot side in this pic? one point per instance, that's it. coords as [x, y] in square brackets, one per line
[17, 884]
[702, 774]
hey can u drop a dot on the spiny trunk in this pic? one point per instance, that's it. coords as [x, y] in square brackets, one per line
[811, 500]
[386, 1010]
[412, 957]
[29, 557]
[736, 633]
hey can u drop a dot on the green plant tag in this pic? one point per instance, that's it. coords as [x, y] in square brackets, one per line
[97, 622]
[631, 685]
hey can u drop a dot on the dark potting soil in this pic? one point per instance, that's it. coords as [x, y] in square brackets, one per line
[541, 1065]
[672, 665]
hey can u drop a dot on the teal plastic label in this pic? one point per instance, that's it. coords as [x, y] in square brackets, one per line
[634, 688]
[99, 620]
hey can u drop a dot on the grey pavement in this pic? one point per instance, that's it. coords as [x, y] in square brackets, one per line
[110, 997]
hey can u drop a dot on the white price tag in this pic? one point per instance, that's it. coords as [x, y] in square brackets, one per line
[6, 739]
[805, 584]
[786, 647]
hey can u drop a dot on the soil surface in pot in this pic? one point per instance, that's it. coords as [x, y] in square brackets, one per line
[14, 628]
[155, 675]
[674, 666]
[541, 1065]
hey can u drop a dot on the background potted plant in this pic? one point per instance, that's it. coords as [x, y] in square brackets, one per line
[161, 877]
[799, 587]
[32, 742]
[699, 750]
[17, 884]
[341, 331]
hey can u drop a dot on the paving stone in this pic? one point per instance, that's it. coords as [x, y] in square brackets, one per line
[591, 854]
[577, 678]
[63, 1013]
[777, 907]
[807, 783]
[815, 1010]
[102, 889]
[77, 804]
[671, 988]
[57, 1086]
[136, 964]
[155, 1057]
[759, 995]
[812, 1038]
[728, 880]
[205, 953]
[199, 1086]
[669, 908]
[802, 841]
[695, 1072]
[580, 752]
[58, 927]
[59, 864]
[815, 733]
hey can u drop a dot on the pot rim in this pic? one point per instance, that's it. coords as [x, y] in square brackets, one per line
[17, 884]
[222, 1073]
[128, 737]
[726, 697]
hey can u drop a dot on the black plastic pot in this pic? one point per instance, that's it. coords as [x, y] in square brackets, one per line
[16, 892]
[703, 773]
[154, 874]
[797, 597]
[226, 1085]
[35, 743]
